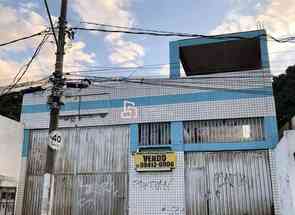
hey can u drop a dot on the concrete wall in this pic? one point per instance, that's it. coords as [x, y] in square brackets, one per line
[285, 165]
[11, 136]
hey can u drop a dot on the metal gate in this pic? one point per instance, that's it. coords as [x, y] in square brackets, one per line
[7, 200]
[227, 183]
[91, 172]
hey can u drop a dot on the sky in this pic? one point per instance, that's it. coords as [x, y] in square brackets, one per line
[89, 50]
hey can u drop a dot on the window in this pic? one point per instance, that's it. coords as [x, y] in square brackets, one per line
[224, 130]
[154, 133]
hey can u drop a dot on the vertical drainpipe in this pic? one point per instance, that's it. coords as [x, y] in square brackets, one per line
[174, 72]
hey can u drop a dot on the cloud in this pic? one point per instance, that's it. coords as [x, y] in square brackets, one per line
[277, 17]
[125, 52]
[25, 21]
[6, 67]
[16, 23]
[165, 70]
[76, 55]
[113, 12]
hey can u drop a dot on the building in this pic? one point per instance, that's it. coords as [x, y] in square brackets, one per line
[196, 145]
[285, 157]
[11, 136]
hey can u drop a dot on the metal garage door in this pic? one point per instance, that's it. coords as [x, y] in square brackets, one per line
[91, 172]
[228, 183]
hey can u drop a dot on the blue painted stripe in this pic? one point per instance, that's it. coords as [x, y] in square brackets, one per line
[174, 47]
[178, 147]
[177, 133]
[226, 146]
[133, 137]
[26, 141]
[271, 131]
[174, 60]
[207, 147]
[156, 100]
[264, 52]
[201, 41]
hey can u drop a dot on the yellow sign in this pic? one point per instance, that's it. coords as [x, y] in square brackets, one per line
[154, 161]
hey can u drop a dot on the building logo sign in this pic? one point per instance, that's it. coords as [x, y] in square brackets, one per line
[129, 110]
[154, 161]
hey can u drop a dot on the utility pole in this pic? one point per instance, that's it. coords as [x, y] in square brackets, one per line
[55, 103]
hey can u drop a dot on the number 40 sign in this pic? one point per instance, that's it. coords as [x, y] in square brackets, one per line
[55, 140]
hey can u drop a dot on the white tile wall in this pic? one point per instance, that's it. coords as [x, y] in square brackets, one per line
[157, 193]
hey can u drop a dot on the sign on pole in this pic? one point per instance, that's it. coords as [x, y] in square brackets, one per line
[55, 140]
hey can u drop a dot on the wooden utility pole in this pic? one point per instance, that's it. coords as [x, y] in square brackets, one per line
[55, 103]
[54, 99]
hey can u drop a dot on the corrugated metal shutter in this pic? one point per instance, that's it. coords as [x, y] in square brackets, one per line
[33, 195]
[228, 183]
[224, 130]
[196, 188]
[91, 171]
[156, 133]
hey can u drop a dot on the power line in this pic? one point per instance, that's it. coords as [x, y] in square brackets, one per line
[130, 28]
[145, 68]
[250, 75]
[26, 67]
[155, 33]
[248, 91]
[181, 85]
[30, 83]
[141, 31]
[23, 38]
[51, 23]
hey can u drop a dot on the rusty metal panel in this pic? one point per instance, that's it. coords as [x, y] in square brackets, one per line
[103, 149]
[33, 195]
[196, 188]
[63, 201]
[91, 171]
[66, 157]
[37, 152]
[106, 193]
[237, 183]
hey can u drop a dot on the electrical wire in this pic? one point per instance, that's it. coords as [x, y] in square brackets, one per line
[155, 33]
[158, 65]
[129, 28]
[248, 91]
[26, 67]
[117, 70]
[180, 85]
[141, 31]
[23, 38]
[51, 23]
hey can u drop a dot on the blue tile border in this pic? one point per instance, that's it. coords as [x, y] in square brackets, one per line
[26, 143]
[157, 100]
[177, 133]
[133, 137]
[174, 47]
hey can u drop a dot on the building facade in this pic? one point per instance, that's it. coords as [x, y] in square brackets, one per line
[196, 145]
[11, 135]
[284, 155]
